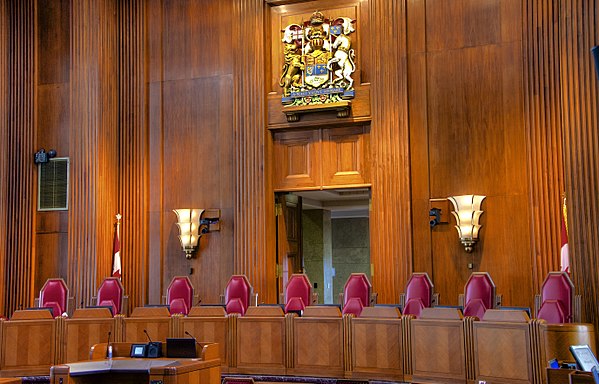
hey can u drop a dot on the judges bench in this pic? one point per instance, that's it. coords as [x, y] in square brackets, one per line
[380, 344]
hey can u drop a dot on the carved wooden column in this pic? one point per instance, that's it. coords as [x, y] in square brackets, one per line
[94, 145]
[3, 144]
[17, 130]
[578, 32]
[133, 151]
[254, 205]
[390, 231]
[544, 126]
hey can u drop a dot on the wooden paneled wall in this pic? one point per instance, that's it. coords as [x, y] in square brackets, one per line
[162, 105]
[18, 141]
[93, 149]
[191, 115]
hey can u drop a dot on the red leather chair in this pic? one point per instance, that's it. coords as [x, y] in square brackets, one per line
[556, 302]
[238, 295]
[112, 294]
[179, 295]
[298, 293]
[479, 294]
[54, 294]
[357, 294]
[419, 294]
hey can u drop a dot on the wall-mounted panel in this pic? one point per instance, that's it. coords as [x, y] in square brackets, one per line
[297, 160]
[346, 156]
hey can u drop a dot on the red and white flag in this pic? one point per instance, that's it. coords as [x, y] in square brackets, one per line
[116, 249]
[565, 253]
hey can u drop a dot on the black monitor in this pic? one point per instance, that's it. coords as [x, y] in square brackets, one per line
[180, 347]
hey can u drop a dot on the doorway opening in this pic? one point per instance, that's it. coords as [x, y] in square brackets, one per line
[327, 237]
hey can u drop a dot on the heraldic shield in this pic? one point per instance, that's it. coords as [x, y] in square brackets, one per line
[318, 61]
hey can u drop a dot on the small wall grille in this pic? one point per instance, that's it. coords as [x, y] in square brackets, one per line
[53, 185]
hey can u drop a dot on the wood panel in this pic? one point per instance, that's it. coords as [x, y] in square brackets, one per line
[377, 348]
[254, 202]
[318, 346]
[298, 162]
[578, 32]
[441, 341]
[81, 334]
[503, 352]
[466, 86]
[261, 346]
[345, 156]
[209, 326]
[158, 329]
[52, 130]
[391, 217]
[191, 133]
[93, 138]
[37, 347]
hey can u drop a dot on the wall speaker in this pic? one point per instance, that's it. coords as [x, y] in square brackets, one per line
[595, 52]
[154, 349]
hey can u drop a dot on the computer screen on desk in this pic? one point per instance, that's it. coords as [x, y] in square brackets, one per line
[181, 347]
[584, 356]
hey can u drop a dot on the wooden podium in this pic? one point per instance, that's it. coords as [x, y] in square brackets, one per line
[123, 369]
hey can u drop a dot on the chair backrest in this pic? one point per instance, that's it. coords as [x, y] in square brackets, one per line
[557, 297]
[238, 293]
[357, 286]
[54, 294]
[111, 294]
[479, 294]
[298, 293]
[419, 294]
[179, 295]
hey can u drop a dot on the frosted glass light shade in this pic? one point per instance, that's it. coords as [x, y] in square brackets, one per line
[467, 214]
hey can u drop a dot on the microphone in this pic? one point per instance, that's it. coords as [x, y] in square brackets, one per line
[194, 339]
[148, 336]
[109, 347]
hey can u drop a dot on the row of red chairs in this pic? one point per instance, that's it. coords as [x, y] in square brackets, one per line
[555, 304]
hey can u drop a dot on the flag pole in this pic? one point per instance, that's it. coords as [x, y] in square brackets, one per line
[116, 248]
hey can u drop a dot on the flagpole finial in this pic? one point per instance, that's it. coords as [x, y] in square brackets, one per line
[118, 217]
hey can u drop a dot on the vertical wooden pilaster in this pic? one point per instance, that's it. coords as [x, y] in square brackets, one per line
[17, 71]
[390, 230]
[133, 150]
[94, 145]
[254, 204]
[578, 33]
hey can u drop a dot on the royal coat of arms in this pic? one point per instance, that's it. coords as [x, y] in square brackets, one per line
[319, 61]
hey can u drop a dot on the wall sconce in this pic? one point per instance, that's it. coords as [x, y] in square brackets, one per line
[192, 226]
[467, 213]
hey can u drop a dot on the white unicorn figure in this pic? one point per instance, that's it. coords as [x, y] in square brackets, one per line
[344, 54]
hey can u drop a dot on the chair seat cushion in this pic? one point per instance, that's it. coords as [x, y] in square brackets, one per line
[178, 306]
[295, 304]
[552, 312]
[109, 303]
[414, 307]
[476, 308]
[235, 305]
[353, 306]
